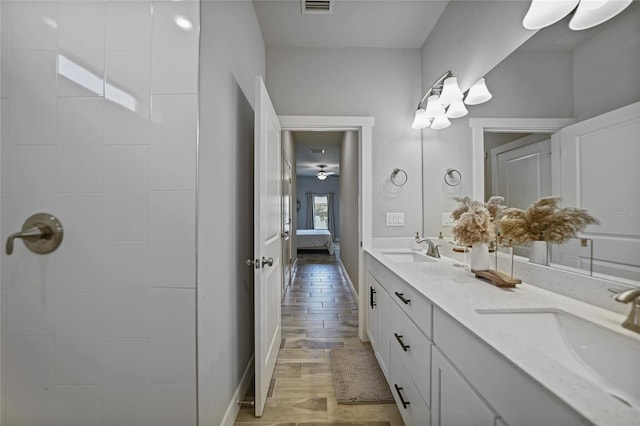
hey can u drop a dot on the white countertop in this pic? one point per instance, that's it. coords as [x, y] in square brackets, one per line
[458, 293]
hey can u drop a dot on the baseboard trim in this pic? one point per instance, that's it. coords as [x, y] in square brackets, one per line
[354, 293]
[233, 409]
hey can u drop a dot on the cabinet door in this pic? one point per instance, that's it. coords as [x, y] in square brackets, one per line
[372, 311]
[455, 403]
[383, 301]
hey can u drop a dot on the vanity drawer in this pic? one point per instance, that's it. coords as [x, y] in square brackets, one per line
[416, 306]
[412, 348]
[412, 407]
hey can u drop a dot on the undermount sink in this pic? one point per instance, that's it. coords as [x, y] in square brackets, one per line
[407, 257]
[609, 359]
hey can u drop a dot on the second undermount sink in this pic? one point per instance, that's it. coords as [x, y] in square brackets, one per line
[407, 257]
[609, 359]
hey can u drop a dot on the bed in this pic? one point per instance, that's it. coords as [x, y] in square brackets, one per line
[314, 239]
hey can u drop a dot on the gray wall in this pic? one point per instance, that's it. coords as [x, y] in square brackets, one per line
[383, 83]
[306, 184]
[225, 211]
[349, 192]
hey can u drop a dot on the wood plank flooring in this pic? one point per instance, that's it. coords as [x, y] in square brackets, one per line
[318, 313]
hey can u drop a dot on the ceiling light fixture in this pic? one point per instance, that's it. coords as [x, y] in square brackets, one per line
[588, 13]
[322, 174]
[445, 100]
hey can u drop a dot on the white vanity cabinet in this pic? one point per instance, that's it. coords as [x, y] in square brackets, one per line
[443, 374]
[400, 329]
[377, 321]
[455, 402]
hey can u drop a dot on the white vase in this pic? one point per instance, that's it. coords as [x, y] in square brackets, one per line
[538, 253]
[479, 257]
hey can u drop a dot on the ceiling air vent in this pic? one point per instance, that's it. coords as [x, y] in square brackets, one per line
[316, 6]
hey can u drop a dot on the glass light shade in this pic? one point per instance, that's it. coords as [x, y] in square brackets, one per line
[421, 120]
[322, 175]
[457, 110]
[440, 122]
[450, 91]
[434, 107]
[543, 13]
[594, 12]
[478, 93]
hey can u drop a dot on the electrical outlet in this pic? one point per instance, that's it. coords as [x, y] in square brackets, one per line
[395, 219]
[447, 220]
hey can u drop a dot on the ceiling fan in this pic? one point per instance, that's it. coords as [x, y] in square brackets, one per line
[322, 173]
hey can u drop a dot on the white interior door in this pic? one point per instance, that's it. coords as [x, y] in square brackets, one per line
[267, 242]
[286, 225]
[523, 173]
[599, 172]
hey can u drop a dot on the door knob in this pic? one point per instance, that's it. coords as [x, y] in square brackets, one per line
[267, 261]
[250, 263]
[41, 233]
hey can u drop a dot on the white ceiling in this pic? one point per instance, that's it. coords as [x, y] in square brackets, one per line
[362, 23]
[307, 163]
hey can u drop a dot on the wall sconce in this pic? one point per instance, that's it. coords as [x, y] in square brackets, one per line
[588, 13]
[445, 100]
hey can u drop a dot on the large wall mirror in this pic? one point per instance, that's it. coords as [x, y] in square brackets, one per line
[590, 160]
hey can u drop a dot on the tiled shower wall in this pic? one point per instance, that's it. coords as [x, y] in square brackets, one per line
[99, 120]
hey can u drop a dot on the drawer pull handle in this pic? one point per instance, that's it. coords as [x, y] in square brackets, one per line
[404, 403]
[399, 339]
[372, 302]
[401, 297]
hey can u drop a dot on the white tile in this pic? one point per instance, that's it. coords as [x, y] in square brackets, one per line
[172, 336]
[125, 263]
[81, 41]
[175, 50]
[78, 260]
[28, 395]
[34, 25]
[173, 142]
[127, 97]
[78, 405]
[80, 141]
[173, 405]
[124, 127]
[125, 397]
[78, 337]
[126, 195]
[172, 239]
[128, 80]
[33, 97]
[30, 293]
[129, 25]
[31, 182]
[124, 310]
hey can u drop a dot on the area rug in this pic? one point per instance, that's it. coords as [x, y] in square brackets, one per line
[357, 377]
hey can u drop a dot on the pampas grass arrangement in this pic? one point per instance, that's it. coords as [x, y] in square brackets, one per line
[543, 221]
[475, 221]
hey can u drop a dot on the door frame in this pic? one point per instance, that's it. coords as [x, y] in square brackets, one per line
[364, 127]
[508, 125]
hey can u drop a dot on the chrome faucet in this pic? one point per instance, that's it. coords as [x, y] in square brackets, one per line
[632, 296]
[432, 250]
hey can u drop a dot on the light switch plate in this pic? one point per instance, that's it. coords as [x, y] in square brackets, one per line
[395, 219]
[447, 220]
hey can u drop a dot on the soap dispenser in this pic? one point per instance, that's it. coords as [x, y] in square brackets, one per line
[416, 245]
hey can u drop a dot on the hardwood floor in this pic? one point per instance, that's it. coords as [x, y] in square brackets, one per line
[318, 313]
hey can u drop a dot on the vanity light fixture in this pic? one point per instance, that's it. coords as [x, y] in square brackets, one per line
[588, 13]
[444, 100]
